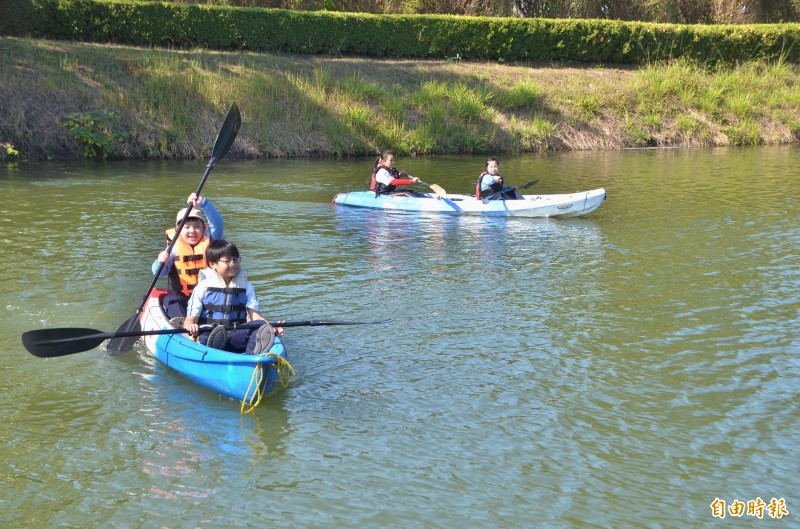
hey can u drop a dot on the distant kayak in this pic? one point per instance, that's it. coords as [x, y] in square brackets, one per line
[544, 206]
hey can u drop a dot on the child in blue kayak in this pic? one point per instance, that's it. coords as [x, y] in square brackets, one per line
[183, 264]
[386, 178]
[225, 298]
[490, 184]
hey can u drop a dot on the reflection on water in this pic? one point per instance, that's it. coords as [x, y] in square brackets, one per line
[634, 364]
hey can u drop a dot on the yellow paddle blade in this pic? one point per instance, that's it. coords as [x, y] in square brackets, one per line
[439, 190]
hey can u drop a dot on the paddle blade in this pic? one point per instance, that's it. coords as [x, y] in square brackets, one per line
[125, 342]
[51, 343]
[439, 190]
[227, 134]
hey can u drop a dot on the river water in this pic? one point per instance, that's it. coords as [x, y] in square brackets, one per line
[624, 369]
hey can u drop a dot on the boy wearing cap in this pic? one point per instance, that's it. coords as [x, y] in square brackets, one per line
[183, 264]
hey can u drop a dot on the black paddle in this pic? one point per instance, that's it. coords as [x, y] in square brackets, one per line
[123, 339]
[529, 184]
[50, 343]
[526, 186]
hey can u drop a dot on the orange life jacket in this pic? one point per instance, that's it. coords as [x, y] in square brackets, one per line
[183, 276]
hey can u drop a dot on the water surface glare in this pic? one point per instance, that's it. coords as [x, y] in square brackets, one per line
[624, 369]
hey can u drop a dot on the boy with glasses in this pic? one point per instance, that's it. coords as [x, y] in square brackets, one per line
[225, 297]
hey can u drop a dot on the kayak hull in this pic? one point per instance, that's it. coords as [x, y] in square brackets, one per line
[541, 206]
[234, 375]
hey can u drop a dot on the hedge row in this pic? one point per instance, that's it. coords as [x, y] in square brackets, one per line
[397, 36]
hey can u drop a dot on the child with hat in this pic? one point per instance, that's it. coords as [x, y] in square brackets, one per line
[183, 263]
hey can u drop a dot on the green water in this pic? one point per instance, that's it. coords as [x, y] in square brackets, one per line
[624, 369]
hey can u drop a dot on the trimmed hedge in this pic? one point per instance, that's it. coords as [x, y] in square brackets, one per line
[399, 36]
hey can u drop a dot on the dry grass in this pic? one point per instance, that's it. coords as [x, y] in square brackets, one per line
[171, 103]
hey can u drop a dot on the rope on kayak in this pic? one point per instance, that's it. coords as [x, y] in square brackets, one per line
[285, 374]
[285, 370]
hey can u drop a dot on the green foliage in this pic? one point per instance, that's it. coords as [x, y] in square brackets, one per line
[741, 105]
[524, 94]
[415, 36]
[744, 133]
[468, 104]
[640, 128]
[681, 12]
[587, 106]
[16, 17]
[358, 117]
[361, 88]
[97, 131]
[530, 136]
[424, 139]
[709, 100]
[394, 104]
[8, 153]
[689, 125]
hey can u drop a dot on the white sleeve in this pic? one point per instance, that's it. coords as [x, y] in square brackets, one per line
[252, 300]
[195, 305]
[383, 176]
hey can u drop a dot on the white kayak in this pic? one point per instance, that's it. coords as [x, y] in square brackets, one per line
[545, 206]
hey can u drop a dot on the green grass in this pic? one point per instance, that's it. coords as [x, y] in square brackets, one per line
[587, 106]
[360, 87]
[170, 103]
[531, 136]
[522, 95]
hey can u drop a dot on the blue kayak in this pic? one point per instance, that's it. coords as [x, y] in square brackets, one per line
[541, 206]
[246, 378]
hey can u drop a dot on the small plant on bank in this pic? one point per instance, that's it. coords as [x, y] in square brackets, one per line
[8, 153]
[741, 105]
[587, 106]
[639, 130]
[97, 131]
[744, 133]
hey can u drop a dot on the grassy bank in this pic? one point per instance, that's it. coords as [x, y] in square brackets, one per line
[70, 100]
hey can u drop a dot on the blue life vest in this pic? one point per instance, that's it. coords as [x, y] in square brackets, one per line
[225, 305]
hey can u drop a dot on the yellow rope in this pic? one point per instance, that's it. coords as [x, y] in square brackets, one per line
[285, 373]
[258, 376]
[285, 370]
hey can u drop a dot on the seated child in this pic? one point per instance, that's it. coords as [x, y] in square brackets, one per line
[224, 297]
[385, 177]
[490, 184]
